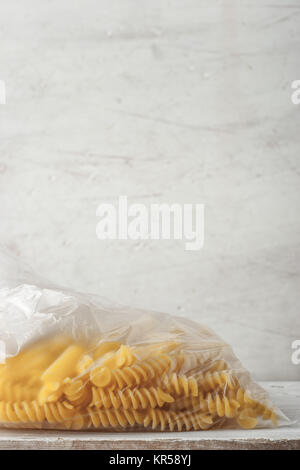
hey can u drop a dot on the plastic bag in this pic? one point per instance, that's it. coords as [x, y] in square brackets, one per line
[72, 361]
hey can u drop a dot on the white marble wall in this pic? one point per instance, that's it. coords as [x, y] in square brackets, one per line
[164, 101]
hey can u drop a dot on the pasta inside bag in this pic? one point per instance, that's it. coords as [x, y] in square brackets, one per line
[72, 361]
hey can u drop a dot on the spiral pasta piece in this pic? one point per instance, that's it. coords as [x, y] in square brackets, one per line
[246, 402]
[114, 418]
[266, 413]
[131, 376]
[32, 411]
[179, 385]
[173, 421]
[210, 381]
[216, 404]
[247, 419]
[138, 398]
[242, 396]
[77, 392]
[220, 405]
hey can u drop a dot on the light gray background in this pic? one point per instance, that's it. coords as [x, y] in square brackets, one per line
[163, 101]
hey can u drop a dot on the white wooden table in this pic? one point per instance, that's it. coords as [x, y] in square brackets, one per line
[285, 394]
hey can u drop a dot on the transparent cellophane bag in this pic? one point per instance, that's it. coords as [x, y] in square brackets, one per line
[75, 362]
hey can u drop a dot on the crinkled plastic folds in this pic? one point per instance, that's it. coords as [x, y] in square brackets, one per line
[73, 361]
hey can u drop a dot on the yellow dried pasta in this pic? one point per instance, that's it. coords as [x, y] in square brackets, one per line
[179, 385]
[170, 420]
[54, 376]
[131, 376]
[32, 412]
[58, 383]
[210, 381]
[138, 398]
[114, 418]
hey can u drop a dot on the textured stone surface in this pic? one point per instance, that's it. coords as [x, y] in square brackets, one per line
[163, 102]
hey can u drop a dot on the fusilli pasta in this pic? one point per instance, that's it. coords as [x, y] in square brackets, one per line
[177, 421]
[138, 398]
[66, 385]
